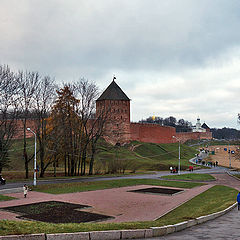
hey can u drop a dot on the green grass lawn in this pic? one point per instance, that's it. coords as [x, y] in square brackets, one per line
[16, 153]
[97, 185]
[191, 176]
[214, 199]
[6, 198]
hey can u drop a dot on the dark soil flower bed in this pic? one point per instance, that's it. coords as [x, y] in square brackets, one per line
[56, 212]
[156, 190]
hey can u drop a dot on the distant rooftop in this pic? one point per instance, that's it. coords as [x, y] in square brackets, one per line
[113, 92]
[205, 126]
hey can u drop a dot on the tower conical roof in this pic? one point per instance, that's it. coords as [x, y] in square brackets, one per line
[113, 92]
[205, 126]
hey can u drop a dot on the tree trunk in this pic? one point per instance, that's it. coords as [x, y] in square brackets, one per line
[42, 161]
[69, 168]
[54, 164]
[65, 164]
[83, 162]
[72, 165]
[25, 149]
[92, 161]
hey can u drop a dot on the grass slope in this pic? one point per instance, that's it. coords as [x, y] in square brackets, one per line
[161, 156]
[136, 155]
[213, 200]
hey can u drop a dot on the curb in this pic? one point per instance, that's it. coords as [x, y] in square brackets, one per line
[232, 175]
[121, 234]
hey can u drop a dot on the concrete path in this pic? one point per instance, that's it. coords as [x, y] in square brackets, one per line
[222, 228]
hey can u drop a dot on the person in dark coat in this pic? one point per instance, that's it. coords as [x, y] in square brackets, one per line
[238, 200]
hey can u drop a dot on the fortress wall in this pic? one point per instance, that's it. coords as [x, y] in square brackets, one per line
[184, 136]
[31, 123]
[152, 133]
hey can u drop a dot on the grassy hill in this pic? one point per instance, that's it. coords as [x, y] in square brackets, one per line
[133, 156]
[148, 156]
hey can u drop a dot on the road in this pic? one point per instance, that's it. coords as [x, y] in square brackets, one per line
[16, 185]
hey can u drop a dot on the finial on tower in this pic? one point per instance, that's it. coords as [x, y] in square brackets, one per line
[114, 77]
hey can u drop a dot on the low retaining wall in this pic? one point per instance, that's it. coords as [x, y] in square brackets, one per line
[121, 234]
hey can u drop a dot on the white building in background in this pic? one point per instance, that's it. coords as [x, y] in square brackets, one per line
[198, 127]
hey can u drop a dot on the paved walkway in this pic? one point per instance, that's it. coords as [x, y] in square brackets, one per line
[225, 227]
[225, 179]
[123, 205]
[129, 206]
[222, 228]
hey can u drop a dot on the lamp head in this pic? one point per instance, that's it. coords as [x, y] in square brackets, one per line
[28, 129]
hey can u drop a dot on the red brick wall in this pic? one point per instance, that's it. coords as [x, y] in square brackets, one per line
[117, 127]
[193, 135]
[152, 133]
[19, 129]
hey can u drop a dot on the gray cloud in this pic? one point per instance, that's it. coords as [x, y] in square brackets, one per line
[171, 57]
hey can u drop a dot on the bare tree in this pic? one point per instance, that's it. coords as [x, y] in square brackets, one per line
[77, 129]
[87, 93]
[29, 84]
[8, 112]
[43, 100]
[97, 127]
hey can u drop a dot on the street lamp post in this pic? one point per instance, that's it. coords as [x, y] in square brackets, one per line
[229, 154]
[35, 158]
[179, 154]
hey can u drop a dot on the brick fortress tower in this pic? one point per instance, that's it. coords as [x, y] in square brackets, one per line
[116, 105]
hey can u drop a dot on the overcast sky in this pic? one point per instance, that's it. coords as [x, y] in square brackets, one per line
[176, 58]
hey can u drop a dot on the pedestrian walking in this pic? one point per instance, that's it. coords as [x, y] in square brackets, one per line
[238, 200]
[171, 169]
[25, 190]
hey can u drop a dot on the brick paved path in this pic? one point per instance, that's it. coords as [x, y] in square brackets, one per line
[117, 202]
[125, 206]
